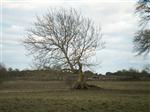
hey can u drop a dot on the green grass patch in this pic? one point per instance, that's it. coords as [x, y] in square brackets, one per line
[55, 96]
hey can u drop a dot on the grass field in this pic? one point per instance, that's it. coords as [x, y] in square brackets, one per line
[55, 96]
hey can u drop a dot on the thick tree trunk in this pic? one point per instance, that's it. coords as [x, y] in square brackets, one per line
[81, 77]
[81, 83]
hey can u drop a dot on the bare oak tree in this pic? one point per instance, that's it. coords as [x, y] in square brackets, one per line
[65, 38]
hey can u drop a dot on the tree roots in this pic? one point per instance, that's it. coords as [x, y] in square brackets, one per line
[83, 85]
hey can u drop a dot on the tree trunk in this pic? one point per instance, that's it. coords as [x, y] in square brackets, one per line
[80, 84]
[81, 77]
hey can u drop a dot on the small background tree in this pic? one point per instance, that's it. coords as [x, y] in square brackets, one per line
[142, 37]
[64, 38]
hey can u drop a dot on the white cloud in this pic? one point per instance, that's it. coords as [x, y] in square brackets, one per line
[116, 60]
[15, 28]
[25, 5]
[18, 6]
[12, 34]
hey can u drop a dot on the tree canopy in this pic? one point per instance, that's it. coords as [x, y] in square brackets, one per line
[65, 38]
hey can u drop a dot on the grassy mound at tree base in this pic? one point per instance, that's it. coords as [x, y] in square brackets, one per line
[84, 85]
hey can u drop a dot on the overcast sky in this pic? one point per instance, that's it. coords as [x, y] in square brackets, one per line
[116, 18]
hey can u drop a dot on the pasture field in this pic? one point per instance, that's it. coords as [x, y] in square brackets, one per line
[56, 96]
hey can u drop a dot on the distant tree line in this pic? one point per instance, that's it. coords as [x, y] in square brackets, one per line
[51, 74]
[129, 72]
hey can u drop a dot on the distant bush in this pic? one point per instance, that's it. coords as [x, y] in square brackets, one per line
[2, 72]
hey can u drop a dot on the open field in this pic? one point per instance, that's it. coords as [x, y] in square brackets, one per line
[55, 96]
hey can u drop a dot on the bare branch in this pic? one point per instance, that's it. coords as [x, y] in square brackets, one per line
[63, 37]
